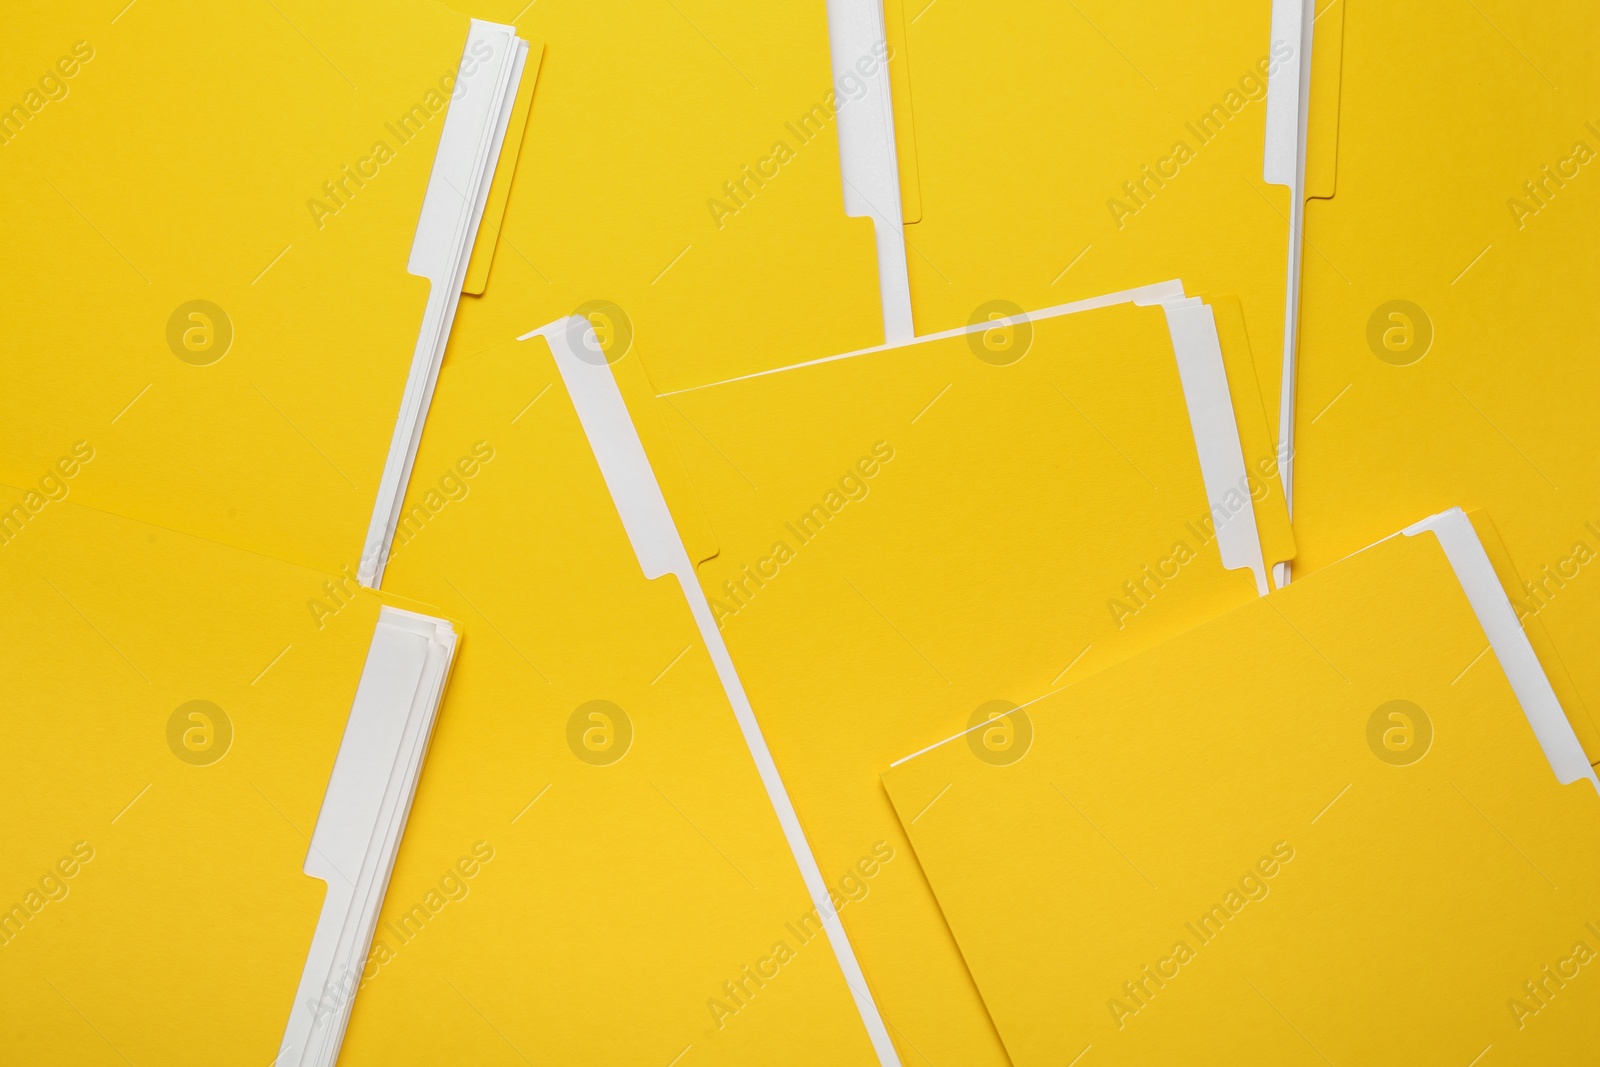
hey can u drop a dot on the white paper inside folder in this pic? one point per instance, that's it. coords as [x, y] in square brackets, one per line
[357, 835]
[458, 188]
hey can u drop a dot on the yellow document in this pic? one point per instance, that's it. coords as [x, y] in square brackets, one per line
[235, 241]
[1448, 303]
[1328, 827]
[681, 165]
[197, 739]
[911, 534]
[1050, 152]
[591, 872]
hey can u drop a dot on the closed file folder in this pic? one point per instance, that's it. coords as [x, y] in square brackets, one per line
[906, 535]
[195, 861]
[237, 244]
[591, 873]
[1354, 802]
[1447, 316]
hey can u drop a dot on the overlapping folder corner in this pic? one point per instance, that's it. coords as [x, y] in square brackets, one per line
[863, 532]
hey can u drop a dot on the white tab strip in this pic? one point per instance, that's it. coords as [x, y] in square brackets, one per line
[458, 188]
[1216, 436]
[868, 161]
[1510, 644]
[659, 546]
[1284, 163]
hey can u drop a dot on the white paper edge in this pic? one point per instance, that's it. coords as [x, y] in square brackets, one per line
[1284, 163]
[869, 165]
[452, 210]
[356, 838]
[1510, 643]
[643, 508]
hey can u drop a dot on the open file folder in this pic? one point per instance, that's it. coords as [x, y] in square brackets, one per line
[1448, 315]
[898, 530]
[1348, 823]
[236, 252]
[591, 872]
[198, 739]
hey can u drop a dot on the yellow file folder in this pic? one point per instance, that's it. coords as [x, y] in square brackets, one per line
[209, 756]
[1049, 152]
[1328, 827]
[591, 873]
[235, 243]
[907, 535]
[1448, 308]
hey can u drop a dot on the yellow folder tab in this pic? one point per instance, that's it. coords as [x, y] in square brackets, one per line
[681, 164]
[912, 534]
[197, 739]
[591, 873]
[1448, 312]
[1064, 150]
[1280, 833]
[213, 250]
